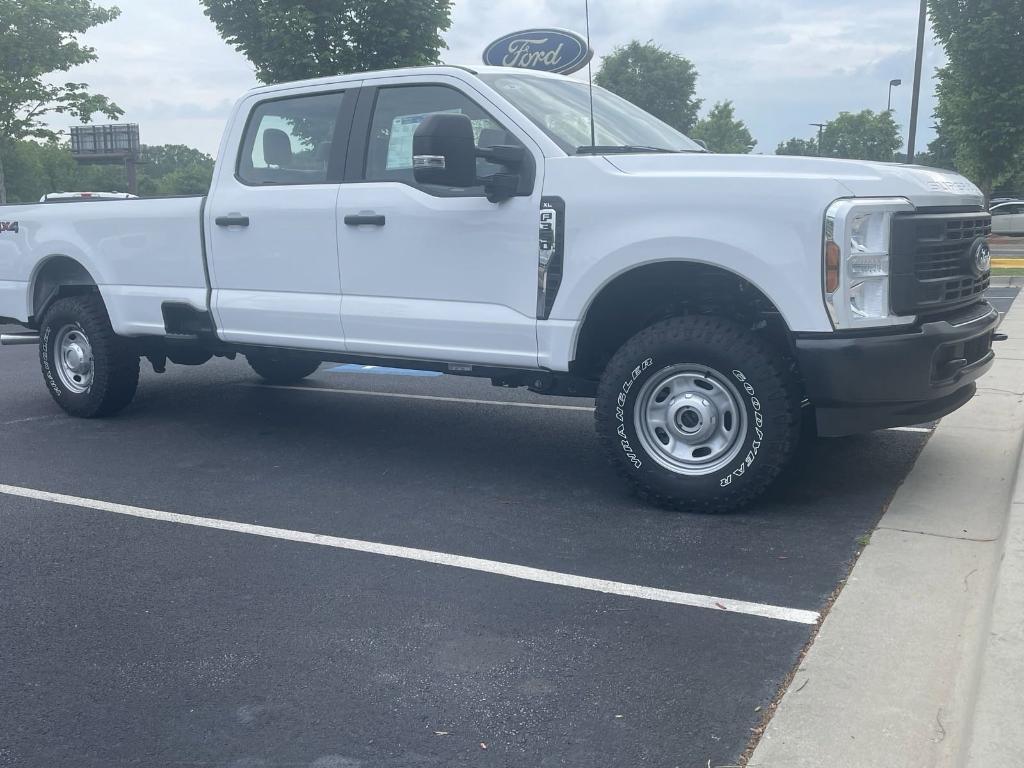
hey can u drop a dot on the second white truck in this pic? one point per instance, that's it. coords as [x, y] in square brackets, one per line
[463, 220]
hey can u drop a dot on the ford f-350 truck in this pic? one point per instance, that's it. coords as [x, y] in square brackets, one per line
[472, 221]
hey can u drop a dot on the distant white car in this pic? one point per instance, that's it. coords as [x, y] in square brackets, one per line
[61, 197]
[1008, 218]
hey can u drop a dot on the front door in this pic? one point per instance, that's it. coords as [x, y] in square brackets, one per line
[428, 272]
[272, 224]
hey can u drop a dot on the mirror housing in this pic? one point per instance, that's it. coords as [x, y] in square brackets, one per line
[444, 151]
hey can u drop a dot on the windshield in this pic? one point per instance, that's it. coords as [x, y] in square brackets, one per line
[561, 108]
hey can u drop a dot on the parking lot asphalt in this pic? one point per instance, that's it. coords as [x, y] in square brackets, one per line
[148, 642]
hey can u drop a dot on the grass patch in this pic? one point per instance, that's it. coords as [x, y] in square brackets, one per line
[1008, 270]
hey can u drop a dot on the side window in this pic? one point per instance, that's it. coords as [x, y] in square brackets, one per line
[396, 115]
[290, 141]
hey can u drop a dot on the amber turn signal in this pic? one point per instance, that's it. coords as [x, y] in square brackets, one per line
[831, 267]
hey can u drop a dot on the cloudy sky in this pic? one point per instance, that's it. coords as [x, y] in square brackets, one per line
[785, 63]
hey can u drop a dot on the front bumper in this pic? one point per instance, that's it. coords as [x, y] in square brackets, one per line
[867, 382]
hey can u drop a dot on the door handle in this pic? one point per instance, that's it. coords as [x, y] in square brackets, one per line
[232, 221]
[372, 219]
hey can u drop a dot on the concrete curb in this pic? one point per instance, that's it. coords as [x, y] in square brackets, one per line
[917, 661]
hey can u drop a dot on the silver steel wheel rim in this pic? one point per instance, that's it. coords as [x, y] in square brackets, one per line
[74, 362]
[690, 419]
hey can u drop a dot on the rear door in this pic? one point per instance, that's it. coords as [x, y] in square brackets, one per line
[272, 222]
[429, 272]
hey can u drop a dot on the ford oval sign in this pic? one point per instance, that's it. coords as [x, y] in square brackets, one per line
[547, 50]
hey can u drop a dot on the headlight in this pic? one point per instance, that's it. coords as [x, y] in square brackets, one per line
[856, 261]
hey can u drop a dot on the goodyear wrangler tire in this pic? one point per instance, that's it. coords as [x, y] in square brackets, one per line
[698, 414]
[88, 369]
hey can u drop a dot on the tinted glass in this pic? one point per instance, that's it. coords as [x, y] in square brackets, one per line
[290, 141]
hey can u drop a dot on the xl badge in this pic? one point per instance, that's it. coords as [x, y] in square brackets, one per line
[981, 256]
[9, 226]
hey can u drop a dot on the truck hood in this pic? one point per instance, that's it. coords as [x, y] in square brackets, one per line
[921, 185]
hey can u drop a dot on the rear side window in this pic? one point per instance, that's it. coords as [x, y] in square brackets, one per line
[291, 141]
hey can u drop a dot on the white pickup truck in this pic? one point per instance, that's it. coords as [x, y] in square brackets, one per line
[467, 220]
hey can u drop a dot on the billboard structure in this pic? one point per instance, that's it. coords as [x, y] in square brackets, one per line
[117, 143]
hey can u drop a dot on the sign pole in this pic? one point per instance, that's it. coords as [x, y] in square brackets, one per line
[917, 81]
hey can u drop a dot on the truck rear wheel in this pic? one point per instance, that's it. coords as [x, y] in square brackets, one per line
[282, 367]
[698, 413]
[89, 370]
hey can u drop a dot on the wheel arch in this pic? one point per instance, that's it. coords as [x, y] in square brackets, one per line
[643, 294]
[55, 277]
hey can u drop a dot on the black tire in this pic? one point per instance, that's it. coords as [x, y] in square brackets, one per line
[704, 351]
[113, 376]
[282, 367]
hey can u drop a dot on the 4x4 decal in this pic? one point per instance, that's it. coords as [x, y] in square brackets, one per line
[9, 226]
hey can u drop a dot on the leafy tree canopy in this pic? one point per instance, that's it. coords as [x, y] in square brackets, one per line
[38, 38]
[722, 132]
[657, 80]
[981, 89]
[298, 39]
[863, 135]
[795, 146]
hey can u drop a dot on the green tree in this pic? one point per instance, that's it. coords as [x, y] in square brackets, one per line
[298, 39]
[795, 146]
[863, 135]
[38, 38]
[657, 80]
[941, 152]
[722, 132]
[37, 168]
[981, 89]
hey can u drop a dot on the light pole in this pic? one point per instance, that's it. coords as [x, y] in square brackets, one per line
[915, 101]
[892, 84]
[821, 128]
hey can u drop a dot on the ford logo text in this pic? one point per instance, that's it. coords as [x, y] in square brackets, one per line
[546, 50]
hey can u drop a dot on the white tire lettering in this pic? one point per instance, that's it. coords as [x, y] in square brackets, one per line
[620, 412]
[758, 424]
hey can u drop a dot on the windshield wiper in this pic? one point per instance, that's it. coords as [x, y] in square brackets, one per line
[620, 149]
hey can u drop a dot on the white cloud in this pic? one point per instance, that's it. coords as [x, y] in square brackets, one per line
[785, 63]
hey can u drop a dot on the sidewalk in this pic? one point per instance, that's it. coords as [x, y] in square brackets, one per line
[921, 658]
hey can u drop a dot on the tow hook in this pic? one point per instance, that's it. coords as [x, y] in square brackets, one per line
[999, 337]
[16, 339]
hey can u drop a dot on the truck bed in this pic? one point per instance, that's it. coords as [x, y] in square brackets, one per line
[140, 253]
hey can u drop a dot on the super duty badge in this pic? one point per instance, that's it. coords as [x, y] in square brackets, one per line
[9, 226]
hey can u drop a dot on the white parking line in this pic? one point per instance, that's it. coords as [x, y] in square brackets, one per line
[438, 558]
[911, 429]
[405, 396]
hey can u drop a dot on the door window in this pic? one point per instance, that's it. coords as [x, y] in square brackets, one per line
[292, 141]
[399, 111]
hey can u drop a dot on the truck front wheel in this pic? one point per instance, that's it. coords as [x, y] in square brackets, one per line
[698, 413]
[89, 370]
[282, 367]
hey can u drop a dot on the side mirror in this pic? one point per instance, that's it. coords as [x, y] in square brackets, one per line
[444, 151]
